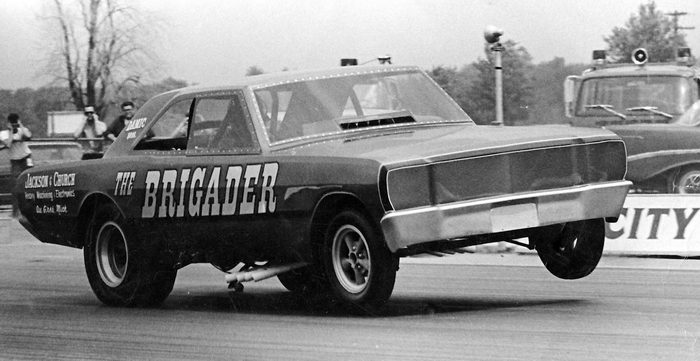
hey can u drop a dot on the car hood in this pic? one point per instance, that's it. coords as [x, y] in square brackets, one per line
[644, 138]
[423, 144]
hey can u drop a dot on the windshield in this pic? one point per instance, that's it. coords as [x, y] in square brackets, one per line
[318, 106]
[691, 117]
[668, 94]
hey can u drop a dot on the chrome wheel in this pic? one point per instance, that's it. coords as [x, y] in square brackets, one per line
[351, 259]
[689, 182]
[111, 254]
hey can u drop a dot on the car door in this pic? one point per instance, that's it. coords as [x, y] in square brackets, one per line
[216, 189]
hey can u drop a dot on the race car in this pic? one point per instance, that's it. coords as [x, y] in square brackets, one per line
[324, 179]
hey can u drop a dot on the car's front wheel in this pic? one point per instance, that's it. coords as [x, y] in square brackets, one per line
[120, 270]
[360, 268]
[571, 250]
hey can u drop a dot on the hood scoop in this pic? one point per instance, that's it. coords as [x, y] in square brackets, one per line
[377, 120]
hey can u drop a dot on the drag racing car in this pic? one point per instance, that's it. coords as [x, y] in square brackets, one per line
[324, 179]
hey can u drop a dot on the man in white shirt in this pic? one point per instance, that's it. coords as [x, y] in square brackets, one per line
[91, 127]
[20, 155]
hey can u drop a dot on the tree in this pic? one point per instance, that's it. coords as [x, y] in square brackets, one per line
[649, 29]
[548, 90]
[517, 88]
[99, 49]
[456, 82]
[32, 105]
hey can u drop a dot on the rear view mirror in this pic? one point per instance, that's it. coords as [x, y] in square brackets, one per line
[571, 85]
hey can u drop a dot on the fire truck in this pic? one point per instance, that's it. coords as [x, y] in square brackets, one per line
[641, 92]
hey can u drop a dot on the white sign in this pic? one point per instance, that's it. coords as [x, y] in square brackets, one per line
[662, 224]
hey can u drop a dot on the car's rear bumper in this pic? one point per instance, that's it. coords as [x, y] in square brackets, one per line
[503, 213]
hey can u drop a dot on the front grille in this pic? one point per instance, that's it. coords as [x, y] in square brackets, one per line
[505, 173]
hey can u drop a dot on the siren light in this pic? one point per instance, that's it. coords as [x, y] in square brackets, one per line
[492, 34]
[640, 56]
[599, 57]
[683, 56]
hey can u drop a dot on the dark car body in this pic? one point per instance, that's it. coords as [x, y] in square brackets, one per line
[43, 152]
[660, 156]
[334, 172]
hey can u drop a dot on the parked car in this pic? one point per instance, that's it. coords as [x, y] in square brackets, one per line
[45, 152]
[323, 179]
[664, 158]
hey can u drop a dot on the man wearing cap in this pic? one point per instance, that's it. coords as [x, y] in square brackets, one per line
[119, 123]
[91, 127]
[20, 155]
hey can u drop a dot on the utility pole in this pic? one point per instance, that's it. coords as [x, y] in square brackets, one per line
[675, 15]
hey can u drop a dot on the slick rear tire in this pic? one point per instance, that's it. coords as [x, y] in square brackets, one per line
[571, 250]
[302, 280]
[121, 271]
[360, 269]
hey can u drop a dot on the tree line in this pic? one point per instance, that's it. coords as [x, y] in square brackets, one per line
[98, 56]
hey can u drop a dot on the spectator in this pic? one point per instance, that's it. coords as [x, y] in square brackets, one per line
[119, 123]
[91, 127]
[20, 155]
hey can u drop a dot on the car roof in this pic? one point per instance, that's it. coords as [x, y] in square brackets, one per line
[293, 76]
[648, 69]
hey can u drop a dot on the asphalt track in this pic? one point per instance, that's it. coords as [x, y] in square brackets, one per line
[476, 306]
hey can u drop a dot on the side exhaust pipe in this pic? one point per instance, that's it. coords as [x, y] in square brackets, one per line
[260, 273]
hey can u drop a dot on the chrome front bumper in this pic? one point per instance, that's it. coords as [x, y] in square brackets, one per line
[413, 226]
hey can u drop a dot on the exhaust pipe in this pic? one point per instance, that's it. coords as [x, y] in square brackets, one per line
[260, 273]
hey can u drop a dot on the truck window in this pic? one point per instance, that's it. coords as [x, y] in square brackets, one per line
[670, 94]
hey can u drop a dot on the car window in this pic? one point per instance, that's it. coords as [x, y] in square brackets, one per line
[322, 105]
[169, 132]
[222, 124]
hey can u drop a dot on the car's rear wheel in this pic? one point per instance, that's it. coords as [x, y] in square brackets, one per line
[302, 280]
[360, 268]
[121, 271]
[571, 250]
[687, 181]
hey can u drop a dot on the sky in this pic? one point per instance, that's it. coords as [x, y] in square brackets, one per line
[210, 41]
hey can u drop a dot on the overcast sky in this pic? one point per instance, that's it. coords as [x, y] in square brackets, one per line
[210, 41]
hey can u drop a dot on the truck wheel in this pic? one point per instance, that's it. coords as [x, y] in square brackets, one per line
[686, 181]
[120, 270]
[360, 268]
[571, 250]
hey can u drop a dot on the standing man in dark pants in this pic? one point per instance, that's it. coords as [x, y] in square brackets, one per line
[20, 155]
[120, 122]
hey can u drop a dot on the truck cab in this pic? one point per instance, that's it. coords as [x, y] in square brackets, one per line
[642, 92]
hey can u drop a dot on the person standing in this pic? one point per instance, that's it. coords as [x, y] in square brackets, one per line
[20, 155]
[120, 122]
[91, 127]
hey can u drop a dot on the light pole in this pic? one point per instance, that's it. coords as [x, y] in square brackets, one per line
[492, 35]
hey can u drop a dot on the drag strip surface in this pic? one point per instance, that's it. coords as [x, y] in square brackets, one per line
[481, 307]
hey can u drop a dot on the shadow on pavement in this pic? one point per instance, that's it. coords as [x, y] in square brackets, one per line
[287, 303]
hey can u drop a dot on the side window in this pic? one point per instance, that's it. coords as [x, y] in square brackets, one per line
[221, 124]
[170, 130]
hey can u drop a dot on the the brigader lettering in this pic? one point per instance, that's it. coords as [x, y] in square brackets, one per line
[216, 191]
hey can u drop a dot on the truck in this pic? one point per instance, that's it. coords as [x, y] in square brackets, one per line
[652, 107]
[638, 92]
